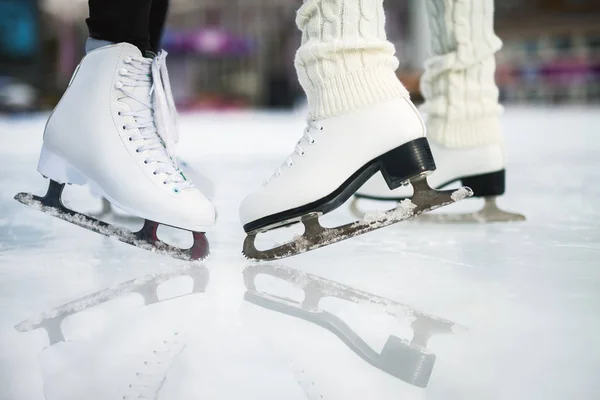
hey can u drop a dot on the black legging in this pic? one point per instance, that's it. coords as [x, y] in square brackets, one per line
[139, 22]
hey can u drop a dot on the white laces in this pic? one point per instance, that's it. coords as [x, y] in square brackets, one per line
[155, 125]
[312, 126]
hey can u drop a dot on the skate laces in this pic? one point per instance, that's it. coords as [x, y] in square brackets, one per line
[312, 126]
[155, 124]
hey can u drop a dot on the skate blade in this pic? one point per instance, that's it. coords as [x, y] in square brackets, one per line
[490, 213]
[409, 361]
[316, 236]
[145, 238]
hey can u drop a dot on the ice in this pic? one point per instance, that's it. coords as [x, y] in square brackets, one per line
[523, 297]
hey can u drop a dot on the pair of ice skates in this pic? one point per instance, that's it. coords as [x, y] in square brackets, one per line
[115, 129]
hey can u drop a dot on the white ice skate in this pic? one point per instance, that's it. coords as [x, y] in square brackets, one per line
[335, 157]
[480, 168]
[114, 128]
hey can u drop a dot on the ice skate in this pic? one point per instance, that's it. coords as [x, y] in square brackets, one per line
[335, 157]
[407, 360]
[115, 129]
[361, 122]
[463, 113]
[480, 168]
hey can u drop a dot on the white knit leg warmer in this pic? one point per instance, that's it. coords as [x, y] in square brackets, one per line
[461, 96]
[345, 61]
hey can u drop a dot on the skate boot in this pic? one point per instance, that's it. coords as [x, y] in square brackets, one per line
[114, 129]
[334, 158]
[463, 113]
[480, 168]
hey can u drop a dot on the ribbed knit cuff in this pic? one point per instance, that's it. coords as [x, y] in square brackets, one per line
[352, 91]
[465, 133]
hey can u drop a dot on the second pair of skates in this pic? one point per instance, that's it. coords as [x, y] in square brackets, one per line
[115, 129]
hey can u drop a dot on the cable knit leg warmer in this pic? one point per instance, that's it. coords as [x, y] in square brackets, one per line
[458, 85]
[345, 61]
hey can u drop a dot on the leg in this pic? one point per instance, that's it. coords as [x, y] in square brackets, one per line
[461, 96]
[361, 122]
[118, 21]
[158, 17]
[461, 101]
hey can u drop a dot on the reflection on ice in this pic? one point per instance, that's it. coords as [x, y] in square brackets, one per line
[405, 359]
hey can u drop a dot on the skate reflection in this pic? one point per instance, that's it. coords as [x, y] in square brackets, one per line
[147, 287]
[407, 360]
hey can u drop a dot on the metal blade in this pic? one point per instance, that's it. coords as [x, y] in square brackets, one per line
[316, 236]
[489, 213]
[146, 238]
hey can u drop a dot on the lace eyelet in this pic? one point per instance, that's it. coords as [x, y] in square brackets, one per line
[164, 182]
[119, 113]
[137, 150]
[175, 190]
[130, 138]
[302, 154]
[154, 173]
[124, 127]
[312, 141]
[146, 162]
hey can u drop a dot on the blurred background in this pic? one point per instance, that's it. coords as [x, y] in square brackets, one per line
[238, 54]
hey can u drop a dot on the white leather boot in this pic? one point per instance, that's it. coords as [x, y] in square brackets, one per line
[361, 122]
[107, 131]
[115, 129]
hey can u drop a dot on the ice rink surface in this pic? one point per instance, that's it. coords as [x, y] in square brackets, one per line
[503, 311]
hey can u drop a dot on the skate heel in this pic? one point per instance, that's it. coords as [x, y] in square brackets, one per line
[486, 185]
[407, 162]
[56, 168]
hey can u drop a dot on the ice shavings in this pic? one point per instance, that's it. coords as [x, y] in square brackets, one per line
[461, 194]
[404, 211]
[108, 230]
